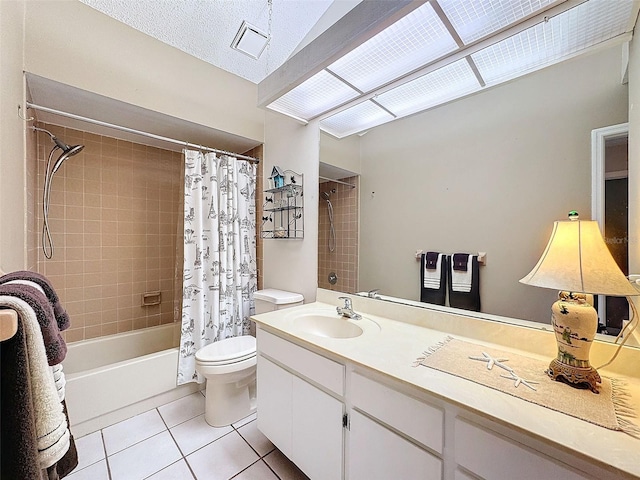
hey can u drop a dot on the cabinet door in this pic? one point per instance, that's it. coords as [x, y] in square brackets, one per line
[317, 432]
[376, 453]
[275, 404]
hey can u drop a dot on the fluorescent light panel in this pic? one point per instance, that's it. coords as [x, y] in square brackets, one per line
[440, 86]
[413, 41]
[355, 119]
[549, 42]
[474, 19]
[313, 97]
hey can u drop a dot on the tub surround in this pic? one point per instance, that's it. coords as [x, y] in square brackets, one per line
[389, 355]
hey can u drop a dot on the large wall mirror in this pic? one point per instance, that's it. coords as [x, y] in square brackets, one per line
[490, 172]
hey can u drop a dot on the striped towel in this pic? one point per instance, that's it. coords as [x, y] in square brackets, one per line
[432, 276]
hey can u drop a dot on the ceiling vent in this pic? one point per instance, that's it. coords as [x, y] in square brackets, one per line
[250, 40]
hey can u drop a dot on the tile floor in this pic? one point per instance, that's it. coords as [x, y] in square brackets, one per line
[174, 442]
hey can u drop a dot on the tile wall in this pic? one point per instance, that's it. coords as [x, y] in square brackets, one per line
[114, 221]
[344, 259]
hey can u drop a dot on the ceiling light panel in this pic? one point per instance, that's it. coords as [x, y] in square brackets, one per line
[549, 42]
[316, 95]
[476, 19]
[411, 42]
[447, 83]
[355, 119]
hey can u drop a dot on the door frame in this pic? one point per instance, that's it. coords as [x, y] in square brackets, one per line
[599, 136]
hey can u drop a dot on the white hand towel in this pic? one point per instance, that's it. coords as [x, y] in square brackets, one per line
[461, 280]
[432, 276]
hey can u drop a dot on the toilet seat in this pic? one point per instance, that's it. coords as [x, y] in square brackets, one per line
[228, 351]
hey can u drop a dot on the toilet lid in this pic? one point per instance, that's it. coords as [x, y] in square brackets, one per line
[229, 350]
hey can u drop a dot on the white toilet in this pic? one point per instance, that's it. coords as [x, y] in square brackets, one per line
[229, 366]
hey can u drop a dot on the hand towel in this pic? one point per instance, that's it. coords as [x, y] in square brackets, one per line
[461, 272]
[464, 286]
[433, 283]
[52, 433]
[18, 448]
[432, 262]
[60, 313]
[59, 380]
[54, 344]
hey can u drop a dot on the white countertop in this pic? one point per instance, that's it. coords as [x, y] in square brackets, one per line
[393, 349]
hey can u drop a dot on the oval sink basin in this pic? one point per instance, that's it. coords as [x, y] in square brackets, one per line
[326, 326]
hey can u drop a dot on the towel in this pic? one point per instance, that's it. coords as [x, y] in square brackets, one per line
[55, 347]
[58, 310]
[52, 433]
[59, 380]
[461, 273]
[464, 286]
[69, 461]
[433, 282]
[432, 262]
[18, 449]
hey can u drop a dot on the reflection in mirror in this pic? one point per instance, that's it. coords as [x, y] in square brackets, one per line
[338, 230]
[490, 172]
[610, 172]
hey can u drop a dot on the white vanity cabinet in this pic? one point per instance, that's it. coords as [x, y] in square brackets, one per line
[394, 430]
[302, 419]
[392, 435]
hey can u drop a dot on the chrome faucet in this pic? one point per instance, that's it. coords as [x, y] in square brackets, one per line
[347, 310]
[373, 293]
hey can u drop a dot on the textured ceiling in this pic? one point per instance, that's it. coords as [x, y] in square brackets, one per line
[206, 28]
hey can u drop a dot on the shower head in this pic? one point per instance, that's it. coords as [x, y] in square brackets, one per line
[326, 195]
[66, 153]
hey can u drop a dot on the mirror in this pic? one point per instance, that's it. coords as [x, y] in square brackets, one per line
[490, 172]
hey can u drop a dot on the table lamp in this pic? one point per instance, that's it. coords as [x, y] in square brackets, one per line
[577, 262]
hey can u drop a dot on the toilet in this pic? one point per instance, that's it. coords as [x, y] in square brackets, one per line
[229, 366]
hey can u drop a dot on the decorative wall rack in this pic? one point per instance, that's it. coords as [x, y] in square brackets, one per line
[283, 208]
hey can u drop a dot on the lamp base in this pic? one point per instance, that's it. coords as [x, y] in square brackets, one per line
[575, 376]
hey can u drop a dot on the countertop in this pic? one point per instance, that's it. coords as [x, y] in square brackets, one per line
[393, 349]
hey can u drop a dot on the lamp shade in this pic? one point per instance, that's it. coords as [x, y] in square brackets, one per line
[577, 260]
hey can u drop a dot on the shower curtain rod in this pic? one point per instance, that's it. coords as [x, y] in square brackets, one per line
[138, 132]
[338, 181]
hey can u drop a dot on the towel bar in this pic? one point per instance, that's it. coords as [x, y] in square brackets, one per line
[482, 257]
[8, 324]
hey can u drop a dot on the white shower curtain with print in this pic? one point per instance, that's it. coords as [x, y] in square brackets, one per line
[219, 253]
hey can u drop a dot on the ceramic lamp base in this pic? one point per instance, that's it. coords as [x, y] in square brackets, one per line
[574, 321]
[575, 376]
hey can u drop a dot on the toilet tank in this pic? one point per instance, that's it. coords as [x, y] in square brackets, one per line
[271, 299]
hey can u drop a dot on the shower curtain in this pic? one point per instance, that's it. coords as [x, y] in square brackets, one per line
[219, 276]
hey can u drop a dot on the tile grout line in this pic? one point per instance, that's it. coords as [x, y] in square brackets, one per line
[106, 457]
[184, 457]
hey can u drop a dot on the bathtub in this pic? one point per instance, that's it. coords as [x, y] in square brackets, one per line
[118, 376]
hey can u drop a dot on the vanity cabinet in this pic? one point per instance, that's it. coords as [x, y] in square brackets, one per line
[489, 455]
[392, 435]
[295, 411]
[393, 430]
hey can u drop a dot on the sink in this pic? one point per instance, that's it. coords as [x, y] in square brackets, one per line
[327, 326]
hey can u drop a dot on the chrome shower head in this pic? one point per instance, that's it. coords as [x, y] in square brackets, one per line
[325, 195]
[66, 153]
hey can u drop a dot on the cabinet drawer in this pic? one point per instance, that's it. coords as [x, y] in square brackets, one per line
[321, 370]
[478, 450]
[377, 453]
[416, 419]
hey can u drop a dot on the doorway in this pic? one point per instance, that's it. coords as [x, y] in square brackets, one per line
[610, 207]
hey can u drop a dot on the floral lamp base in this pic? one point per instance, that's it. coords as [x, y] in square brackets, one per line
[574, 321]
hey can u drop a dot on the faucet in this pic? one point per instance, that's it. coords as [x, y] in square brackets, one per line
[373, 293]
[347, 310]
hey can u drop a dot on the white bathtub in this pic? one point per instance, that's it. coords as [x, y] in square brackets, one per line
[115, 377]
